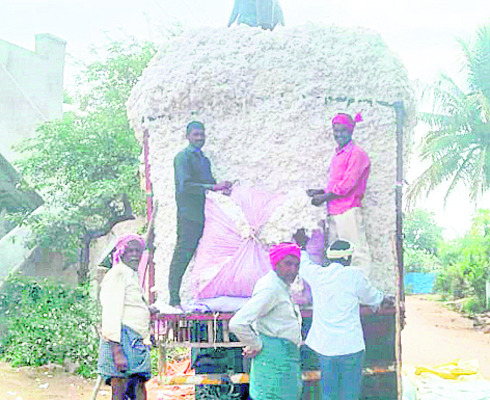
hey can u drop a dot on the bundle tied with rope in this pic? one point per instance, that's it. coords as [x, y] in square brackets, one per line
[233, 251]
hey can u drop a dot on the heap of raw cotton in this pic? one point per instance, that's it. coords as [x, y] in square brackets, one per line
[266, 99]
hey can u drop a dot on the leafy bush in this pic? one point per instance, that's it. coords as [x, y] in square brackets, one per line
[451, 281]
[466, 263]
[418, 260]
[473, 305]
[46, 322]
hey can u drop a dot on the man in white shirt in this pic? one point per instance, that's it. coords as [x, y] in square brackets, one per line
[336, 332]
[124, 354]
[269, 325]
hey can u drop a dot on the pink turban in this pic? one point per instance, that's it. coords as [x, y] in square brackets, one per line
[122, 243]
[281, 250]
[346, 119]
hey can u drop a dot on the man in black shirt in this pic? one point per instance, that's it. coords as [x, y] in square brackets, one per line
[193, 178]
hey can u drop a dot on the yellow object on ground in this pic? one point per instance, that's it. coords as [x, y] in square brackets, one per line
[451, 370]
[456, 380]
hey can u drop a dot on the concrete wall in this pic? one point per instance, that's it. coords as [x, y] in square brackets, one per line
[44, 263]
[5, 226]
[14, 251]
[31, 88]
[17, 255]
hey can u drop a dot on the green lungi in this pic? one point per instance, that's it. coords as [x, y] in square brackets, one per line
[275, 373]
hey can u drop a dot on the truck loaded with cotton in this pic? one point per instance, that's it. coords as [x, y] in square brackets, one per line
[266, 99]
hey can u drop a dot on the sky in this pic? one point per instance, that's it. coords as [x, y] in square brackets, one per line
[422, 32]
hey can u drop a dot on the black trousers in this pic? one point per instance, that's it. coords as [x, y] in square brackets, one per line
[188, 235]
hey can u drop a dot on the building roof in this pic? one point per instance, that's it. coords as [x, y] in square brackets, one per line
[12, 197]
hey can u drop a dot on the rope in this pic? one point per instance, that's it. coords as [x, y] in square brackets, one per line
[215, 328]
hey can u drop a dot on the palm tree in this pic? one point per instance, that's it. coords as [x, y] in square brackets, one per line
[457, 145]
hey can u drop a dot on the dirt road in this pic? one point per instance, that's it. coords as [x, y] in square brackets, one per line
[42, 384]
[435, 335]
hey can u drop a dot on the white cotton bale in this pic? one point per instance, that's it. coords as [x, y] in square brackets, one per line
[262, 97]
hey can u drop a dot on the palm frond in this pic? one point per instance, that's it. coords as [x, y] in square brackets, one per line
[457, 146]
[482, 171]
[451, 140]
[480, 68]
[460, 174]
[476, 63]
[455, 164]
[486, 167]
[468, 61]
[438, 172]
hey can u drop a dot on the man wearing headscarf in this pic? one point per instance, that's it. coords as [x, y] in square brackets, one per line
[346, 185]
[269, 325]
[124, 353]
[336, 333]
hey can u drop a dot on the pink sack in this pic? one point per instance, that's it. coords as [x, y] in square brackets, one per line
[227, 264]
[315, 249]
[316, 246]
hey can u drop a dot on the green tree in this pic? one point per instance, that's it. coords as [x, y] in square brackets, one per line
[467, 261]
[421, 232]
[420, 261]
[86, 165]
[457, 147]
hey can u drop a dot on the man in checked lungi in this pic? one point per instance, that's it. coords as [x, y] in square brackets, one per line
[269, 325]
[124, 354]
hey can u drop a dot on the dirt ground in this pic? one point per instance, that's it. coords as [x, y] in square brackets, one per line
[435, 335]
[432, 335]
[43, 384]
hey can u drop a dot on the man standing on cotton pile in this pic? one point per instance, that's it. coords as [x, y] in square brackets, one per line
[193, 178]
[264, 13]
[348, 175]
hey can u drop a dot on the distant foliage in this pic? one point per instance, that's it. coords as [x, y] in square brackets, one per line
[462, 265]
[421, 231]
[44, 322]
[466, 262]
[421, 238]
[86, 165]
[420, 261]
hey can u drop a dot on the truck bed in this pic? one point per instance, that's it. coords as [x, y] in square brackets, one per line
[208, 335]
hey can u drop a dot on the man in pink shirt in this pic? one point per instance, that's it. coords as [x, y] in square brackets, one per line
[348, 175]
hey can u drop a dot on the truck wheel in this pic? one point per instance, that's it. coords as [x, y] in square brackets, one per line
[225, 391]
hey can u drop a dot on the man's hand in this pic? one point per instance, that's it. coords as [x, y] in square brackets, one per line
[314, 192]
[388, 301]
[301, 238]
[120, 359]
[318, 199]
[153, 309]
[223, 186]
[250, 353]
